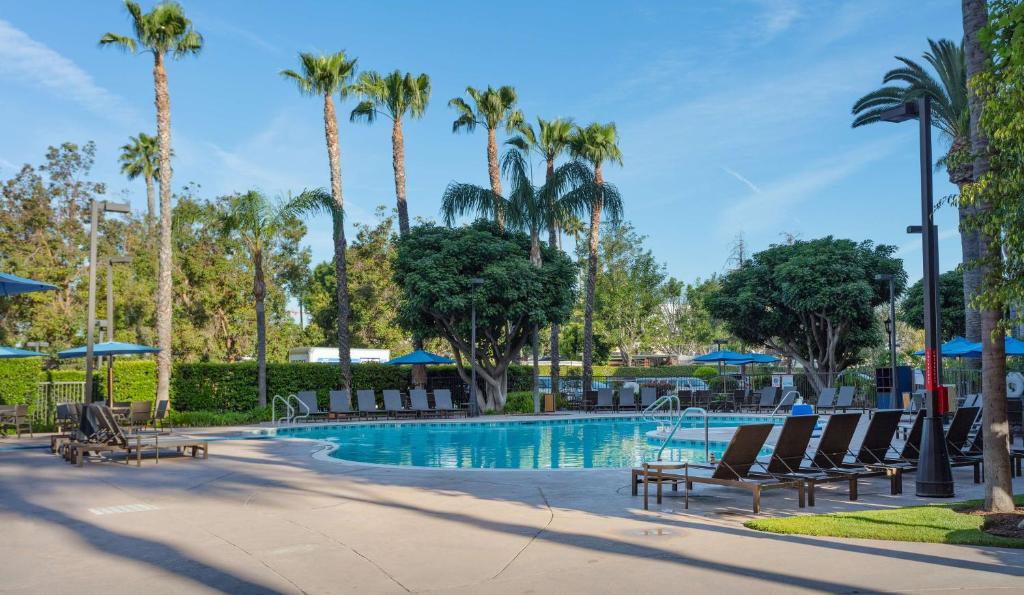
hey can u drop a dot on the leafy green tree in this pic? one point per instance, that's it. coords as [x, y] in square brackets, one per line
[493, 109]
[995, 68]
[687, 325]
[434, 269]
[323, 76]
[632, 289]
[951, 304]
[551, 140]
[951, 116]
[163, 31]
[141, 157]
[596, 144]
[811, 300]
[393, 95]
[258, 222]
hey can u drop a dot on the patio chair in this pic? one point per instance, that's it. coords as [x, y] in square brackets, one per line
[108, 436]
[834, 454]
[340, 404]
[443, 402]
[418, 402]
[769, 395]
[648, 395]
[367, 402]
[139, 414]
[826, 400]
[790, 454]
[67, 419]
[605, 400]
[160, 413]
[393, 404]
[16, 417]
[734, 469]
[310, 409]
[627, 399]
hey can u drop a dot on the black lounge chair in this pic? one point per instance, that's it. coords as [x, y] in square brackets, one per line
[443, 402]
[312, 409]
[648, 395]
[418, 402]
[340, 405]
[832, 455]
[102, 433]
[627, 399]
[367, 402]
[826, 400]
[393, 404]
[962, 456]
[605, 400]
[844, 398]
[769, 396]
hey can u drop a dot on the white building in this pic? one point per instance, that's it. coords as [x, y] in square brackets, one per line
[329, 355]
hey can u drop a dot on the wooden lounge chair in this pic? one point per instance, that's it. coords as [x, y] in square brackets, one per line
[311, 407]
[340, 404]
[16, 417]
[443, 402]
[109, 437]
[734, 468]
[627, 399]
[648, 395]
[367, 401]
[393, 404]
[418, 402]
[605, 400]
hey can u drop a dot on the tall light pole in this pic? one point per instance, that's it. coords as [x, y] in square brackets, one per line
[476, 282]
[110, 320]
[934, 477]
[95, 207]
[890, 327]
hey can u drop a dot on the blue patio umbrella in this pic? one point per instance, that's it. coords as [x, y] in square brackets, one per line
[1014, 348]
[9, 352]
[957, 347]
[761, 358]
[14, 285]
[420, 357]
[109, 348]
[723, 357]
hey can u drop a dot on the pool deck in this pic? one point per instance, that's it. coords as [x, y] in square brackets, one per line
[266, 516]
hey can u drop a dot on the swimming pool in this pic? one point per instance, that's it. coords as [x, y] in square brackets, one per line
[547, 444]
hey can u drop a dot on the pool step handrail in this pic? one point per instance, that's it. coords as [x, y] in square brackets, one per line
[782, 401]
[289, 411]
[669, 403]
[299, 415]
[679, 422]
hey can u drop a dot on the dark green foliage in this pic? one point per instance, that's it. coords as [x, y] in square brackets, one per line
[18, 379]
[951, 300]
[134, 380]
[202, 419]
[706, 372]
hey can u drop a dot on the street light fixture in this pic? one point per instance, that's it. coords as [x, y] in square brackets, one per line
[934, 477]
[890, 328]
[110, 320]
[476, 282]
[95, 208]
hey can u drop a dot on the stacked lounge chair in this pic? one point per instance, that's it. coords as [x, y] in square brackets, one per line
[100, 432]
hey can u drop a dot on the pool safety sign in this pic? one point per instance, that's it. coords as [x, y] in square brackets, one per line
[782, 380]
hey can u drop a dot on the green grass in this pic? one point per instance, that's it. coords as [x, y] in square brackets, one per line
[931, 524]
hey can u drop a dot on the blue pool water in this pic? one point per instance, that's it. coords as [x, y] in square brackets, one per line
[565, 443]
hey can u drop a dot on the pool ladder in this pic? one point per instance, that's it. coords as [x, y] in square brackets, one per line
[292, 413]
[783, 401]
[679, 422]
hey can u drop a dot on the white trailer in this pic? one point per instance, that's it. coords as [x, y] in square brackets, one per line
[329, 355]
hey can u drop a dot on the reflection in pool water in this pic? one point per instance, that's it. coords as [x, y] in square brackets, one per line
[576, 443]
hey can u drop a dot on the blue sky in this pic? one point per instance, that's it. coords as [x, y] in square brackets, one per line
[733, 116]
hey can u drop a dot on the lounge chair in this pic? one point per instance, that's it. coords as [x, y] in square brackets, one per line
[310, 409]
[107, 436]
[834, 455]
[418, 402]
[340, 404]
[393, 404]
[367, 401]
[17, 417]
[735, 466]
[769, 395]
[627, 399]
[968, 456]
[68, 418]
[845, 397]
[160, 413]
[826, 400]
[648, 395]
[443, 402]
[605, 400]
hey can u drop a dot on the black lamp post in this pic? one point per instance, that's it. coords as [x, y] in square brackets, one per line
[95, 208]
[934, 476]
[476, 282]
[890, 328]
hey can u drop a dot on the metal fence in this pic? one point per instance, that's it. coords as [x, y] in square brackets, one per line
[48, 394]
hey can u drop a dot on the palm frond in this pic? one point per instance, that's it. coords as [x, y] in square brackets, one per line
[122, 42]
[364, 111]
[468, 199]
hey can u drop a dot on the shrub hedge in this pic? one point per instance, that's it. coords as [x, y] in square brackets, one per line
[18, 379]
[134, 380]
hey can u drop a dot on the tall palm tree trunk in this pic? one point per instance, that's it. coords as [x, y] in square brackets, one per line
[535, 338]
[495, 175]
[588, 310]
[398, 162]
[962, 174]
[994, 425]
[552, 243]
[259, 291]
[164, 288]
[150, 198]
[340, 268]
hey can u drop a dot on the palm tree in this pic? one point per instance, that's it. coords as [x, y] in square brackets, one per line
[325, 75]
[393, 95]
[163, 31]
[257, 222]
[551, 141]
[952, 116]
[140, 157]
[492, 108]
[994, 424]
[596, 144]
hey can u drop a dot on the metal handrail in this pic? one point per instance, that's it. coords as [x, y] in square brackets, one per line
[672, 401]
[675, 426]
[301, 406]
[290, 413]
[782, 401]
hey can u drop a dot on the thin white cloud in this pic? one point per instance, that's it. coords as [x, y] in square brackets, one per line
[741, 178]
[775, 19]
[26, 60]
